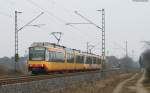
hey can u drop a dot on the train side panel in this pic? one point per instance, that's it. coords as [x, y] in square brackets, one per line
[53, 59]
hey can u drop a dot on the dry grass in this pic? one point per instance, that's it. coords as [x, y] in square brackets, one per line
[100, 86]
[146, 83]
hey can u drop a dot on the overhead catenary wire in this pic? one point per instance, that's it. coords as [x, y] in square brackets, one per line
[67, 11]
[89, 21]
[56, 17]
[31, 21]
[11, 17]
[5, 14]
[10, 1]
[51, 14]
[59, 19]
[79, 32]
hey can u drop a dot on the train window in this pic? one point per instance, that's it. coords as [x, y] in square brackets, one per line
[82, 59]
[46, 55]
[89, 60]
[50, 56]
[60, 57]
[94, 60]
[70, 58]
[55, 56]
[79, 59]
[99, 61]
[37, 53]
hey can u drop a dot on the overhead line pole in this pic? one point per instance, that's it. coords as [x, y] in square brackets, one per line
[103, 32]
[16, 39]
[16, 35]
[126, 48]
[103, 39]
[87, 47]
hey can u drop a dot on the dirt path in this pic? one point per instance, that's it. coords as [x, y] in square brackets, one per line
[139, 86]
[119, 87]
[131, 85]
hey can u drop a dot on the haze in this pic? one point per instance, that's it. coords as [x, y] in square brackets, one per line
[125, 20]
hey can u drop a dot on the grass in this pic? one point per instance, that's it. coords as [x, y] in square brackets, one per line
[146, 82]
[99, 86]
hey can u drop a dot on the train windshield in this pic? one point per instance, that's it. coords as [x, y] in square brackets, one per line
[37, 53]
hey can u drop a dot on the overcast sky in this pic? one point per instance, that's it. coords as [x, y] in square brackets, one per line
[125, 20]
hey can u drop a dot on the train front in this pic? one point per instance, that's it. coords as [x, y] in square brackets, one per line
[36, 62]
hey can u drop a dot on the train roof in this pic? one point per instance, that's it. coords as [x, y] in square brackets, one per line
[53, 45]
[46, 44]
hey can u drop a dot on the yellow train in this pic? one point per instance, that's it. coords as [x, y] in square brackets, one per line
[48, 57]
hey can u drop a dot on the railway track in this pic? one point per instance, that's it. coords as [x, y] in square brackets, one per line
[29, 78]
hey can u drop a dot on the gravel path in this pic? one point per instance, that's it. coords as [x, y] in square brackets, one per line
[131, 85]
[119, 87]
[139, 85]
